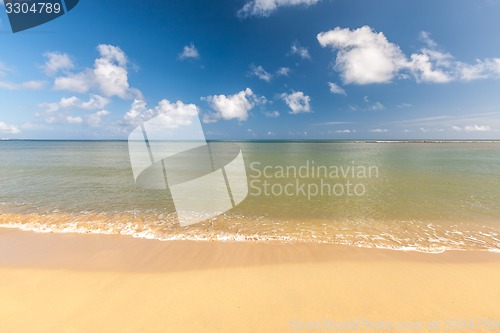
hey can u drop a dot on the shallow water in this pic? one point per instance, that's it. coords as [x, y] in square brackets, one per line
[408, 196]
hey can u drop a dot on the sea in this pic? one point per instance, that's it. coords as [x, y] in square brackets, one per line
[409, 196]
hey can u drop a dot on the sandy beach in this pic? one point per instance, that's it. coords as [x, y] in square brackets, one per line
[84, 283]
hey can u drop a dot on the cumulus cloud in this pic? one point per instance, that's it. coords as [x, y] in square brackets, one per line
[109, 76]
[260, 72]
[431, 66]
[264, 8]
[77, 82]
[299, 50]
[379, 130]
[189, 52]
[235, 106]
[336, 89]
[345, 131]
[8, 129]
[365, 57]
[95, 102]
[171, 115]
[297, 101]
[57, 61]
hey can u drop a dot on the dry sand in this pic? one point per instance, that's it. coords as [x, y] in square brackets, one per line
[89, 283]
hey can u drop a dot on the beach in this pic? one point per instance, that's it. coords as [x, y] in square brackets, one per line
[82, 283]
[385, 237]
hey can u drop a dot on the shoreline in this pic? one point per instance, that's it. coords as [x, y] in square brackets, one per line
[479, 236]
[53, 251]
[72, 282]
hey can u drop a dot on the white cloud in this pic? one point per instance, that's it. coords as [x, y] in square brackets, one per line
[482, 69]
[336, 89]
[79, 82]
[264, 8]
[426, 38]
[95, 102]
[57, 61]
[377, 106]
[138, 112]
[171, 115]
[109, 76]
[28, 85]
[299, 50]
[379, 130]
[95, 119]
[264, 75]
[110, 73]
[365, 57]
[112, 54]
[9, 129]
[235, 106]
[476, 128]
[429, 66]
[73, 120]
[61, 111]
[345, 131]
[271, 114]
[189, 52]
[373, 106]
[297, 102]
[92, 120]
[283, 71]
[260, 72]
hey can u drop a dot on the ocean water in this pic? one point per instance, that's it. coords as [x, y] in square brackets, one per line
[427, 197]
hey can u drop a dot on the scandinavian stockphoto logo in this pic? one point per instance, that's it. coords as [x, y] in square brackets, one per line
[26, 14]
[204, 179]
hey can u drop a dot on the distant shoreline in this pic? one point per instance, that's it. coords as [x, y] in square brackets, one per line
[282, 140]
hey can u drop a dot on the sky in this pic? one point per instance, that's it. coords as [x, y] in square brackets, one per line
[256, 69]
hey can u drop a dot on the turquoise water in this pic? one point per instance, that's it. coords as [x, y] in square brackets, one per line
[408, 196]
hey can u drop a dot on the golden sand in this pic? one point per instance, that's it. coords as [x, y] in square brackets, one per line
[90, 283]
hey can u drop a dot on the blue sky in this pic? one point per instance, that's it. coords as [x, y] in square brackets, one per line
[257, 69]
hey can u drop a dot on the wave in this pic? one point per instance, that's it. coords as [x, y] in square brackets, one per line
[394, 235]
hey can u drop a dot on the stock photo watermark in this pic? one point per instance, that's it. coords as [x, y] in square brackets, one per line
[438, 325]
[27, 14]
[311, 179]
